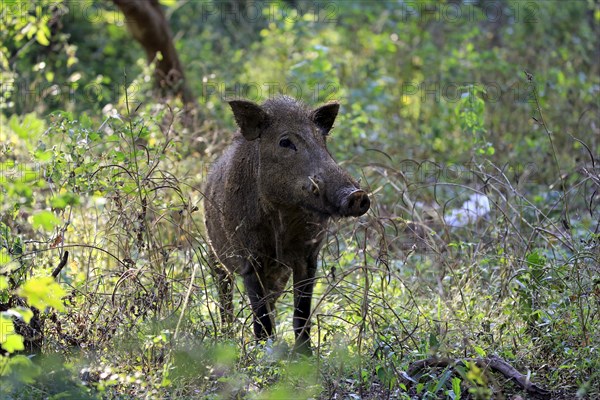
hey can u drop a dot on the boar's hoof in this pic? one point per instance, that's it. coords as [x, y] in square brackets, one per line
[355, 204]
[303, 349]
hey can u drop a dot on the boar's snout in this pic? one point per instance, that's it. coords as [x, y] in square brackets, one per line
[347, 201]
[355, 204]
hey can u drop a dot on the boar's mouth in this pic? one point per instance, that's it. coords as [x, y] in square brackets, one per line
[324, 213]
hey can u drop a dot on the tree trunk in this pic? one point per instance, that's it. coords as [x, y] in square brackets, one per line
[147, 23]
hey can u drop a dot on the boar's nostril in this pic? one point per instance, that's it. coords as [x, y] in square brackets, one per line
[365, 203]
[356, 204]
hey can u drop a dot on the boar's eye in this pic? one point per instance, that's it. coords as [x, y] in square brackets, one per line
[287, 143]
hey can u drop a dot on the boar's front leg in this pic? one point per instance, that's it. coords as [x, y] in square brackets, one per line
[225, 281]
[263, 324]
[304, 279]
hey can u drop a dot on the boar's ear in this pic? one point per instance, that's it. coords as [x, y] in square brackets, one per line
[250, 118]
[324, 116]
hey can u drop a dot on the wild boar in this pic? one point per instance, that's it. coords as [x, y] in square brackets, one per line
[268, 201]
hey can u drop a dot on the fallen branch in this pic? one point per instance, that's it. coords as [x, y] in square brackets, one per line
[494, 363]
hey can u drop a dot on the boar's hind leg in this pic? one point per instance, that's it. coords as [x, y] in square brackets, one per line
[303, 288]
[263, 323]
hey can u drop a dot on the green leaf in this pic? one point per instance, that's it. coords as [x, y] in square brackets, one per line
[535, 260]
[536, 263]
[381, 373]
[119, 156]
[433, 341]
[479, 351]
[442, 381]
[64, 200]
[4, 259]
[456, 387]
[31, 126]
[13, 343]
[9, 340]
[43, 156]
[15, 126]
[43, 292]
[3, 282]
[71, 61]
[45, 219]
[476, 374]
[94, 136]
[40, 36]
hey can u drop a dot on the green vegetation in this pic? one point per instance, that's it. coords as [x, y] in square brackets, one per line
[476, 128]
